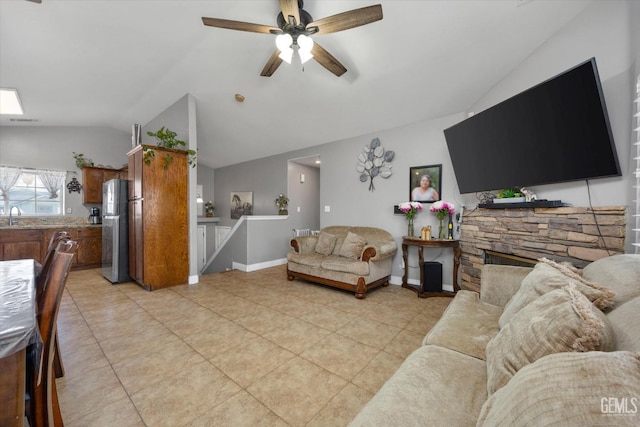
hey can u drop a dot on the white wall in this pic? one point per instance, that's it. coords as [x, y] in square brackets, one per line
[304, 195]
[350, 201]
[52, 147]
[602, 31]
[206, 178]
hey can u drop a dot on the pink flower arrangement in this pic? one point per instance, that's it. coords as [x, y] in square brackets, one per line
[442, 209]
[410, 209]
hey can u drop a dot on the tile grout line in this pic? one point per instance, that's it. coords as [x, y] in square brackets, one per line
[291, 295]
[107, 359]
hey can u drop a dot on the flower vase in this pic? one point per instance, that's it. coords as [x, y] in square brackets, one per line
[442, 232]
[410, 227]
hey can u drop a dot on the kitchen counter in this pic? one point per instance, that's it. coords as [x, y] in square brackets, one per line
[45, 222]
[47, 226]
[207, 219]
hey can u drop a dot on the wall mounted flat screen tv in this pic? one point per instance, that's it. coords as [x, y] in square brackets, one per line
[556, 131]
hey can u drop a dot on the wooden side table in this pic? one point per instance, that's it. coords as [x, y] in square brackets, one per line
[433, 243]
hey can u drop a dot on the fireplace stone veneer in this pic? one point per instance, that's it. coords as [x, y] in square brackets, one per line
[562, 234]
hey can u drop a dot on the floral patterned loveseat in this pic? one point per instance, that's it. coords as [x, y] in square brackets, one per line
[356, 259]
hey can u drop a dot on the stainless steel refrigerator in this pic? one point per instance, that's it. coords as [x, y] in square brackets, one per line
[115, 231]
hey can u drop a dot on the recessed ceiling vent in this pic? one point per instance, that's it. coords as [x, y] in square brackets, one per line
[23, 120]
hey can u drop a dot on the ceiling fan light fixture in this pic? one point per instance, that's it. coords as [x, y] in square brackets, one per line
[305, 44]
[283, 43]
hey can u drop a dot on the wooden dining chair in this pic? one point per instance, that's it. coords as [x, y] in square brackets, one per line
[42, 269]
[42, 407]
[41, 273]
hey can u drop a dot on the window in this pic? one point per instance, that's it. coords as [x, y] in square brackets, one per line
[25, 189]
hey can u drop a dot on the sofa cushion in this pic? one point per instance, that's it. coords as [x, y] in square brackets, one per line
[546, 277]
[559, 321]
[569, 389]
[433, 386]
[352, 246]
[326, 243]
[624, 320]
[466, 326]
[621, 273]
[312, 259]
[345, 265]
[501, 282]
[338, 246]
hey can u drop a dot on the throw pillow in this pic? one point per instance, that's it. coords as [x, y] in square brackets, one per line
[325, 243]
[339, 241]
[547, 276]
[559, 321]
[352, 246]
[570, 389]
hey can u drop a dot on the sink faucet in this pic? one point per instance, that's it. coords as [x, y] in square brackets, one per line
[11, 220]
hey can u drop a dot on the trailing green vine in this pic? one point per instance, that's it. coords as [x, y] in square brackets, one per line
[167, 139]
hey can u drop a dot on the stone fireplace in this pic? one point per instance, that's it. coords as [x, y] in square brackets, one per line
[492, 257]
[576, 235]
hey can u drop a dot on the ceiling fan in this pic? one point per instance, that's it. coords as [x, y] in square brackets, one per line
[295, 25]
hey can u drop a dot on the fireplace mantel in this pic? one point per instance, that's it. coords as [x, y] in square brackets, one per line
[562, 234]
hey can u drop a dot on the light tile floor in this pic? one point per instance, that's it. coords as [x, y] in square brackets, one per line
[237, 349]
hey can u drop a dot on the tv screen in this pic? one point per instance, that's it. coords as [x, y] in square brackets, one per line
[556, 131]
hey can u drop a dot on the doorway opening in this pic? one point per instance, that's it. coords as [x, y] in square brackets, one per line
[303, 186]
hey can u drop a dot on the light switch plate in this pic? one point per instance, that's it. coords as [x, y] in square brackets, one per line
[327, 208]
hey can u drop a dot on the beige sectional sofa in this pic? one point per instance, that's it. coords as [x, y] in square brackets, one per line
[356, 259]
[533, 349]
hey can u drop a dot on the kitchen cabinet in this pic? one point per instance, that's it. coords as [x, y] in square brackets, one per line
[89, 253]
[123, 173]
[21, 244]
[89, 240]
[158, 218]
[92, 179]
[32, 243]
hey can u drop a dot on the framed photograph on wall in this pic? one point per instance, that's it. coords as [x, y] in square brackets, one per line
[425, 183]
[241, 203]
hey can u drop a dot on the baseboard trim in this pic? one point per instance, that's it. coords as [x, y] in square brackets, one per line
[397, 280]
[258, 266]
[193, 280]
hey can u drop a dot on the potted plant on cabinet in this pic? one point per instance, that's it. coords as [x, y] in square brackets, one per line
[208, 209]
[167, 139]
[509, 195]
[81, 160]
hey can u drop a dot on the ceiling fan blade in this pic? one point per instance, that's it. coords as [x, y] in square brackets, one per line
[290, 8]
[239, 25]
[346, 20]
[272, 64]
[35, 1]
[327, 60]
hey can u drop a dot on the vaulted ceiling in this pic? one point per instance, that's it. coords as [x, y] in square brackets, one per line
[114, 63]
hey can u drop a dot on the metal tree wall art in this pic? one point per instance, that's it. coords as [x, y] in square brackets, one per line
[374, 161]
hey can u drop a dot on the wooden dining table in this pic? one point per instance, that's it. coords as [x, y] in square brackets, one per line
[18, 329]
